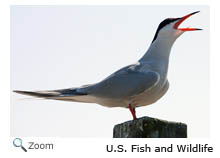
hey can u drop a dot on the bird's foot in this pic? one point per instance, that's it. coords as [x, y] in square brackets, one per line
[133, 112]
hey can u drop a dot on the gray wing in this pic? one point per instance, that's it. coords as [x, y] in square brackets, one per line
[125, 84]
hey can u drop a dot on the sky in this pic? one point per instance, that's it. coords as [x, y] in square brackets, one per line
[56, 47]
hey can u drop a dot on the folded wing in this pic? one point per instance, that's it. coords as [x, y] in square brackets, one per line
[125, 84]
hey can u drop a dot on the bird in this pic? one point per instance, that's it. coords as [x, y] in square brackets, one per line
[139, 84]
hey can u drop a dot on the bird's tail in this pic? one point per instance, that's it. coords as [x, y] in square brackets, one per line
[71, 94]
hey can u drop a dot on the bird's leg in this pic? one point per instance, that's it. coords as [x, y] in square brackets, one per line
[133, 112]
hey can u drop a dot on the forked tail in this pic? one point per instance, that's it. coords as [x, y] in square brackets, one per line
[71, 94]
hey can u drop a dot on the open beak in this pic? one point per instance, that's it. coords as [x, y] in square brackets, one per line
[183, 19]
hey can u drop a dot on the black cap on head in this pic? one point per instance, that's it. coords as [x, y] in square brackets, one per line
[162, 24]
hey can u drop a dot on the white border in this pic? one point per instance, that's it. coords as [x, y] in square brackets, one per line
[95, 147]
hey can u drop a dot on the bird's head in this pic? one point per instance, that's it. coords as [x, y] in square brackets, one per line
[169, 28]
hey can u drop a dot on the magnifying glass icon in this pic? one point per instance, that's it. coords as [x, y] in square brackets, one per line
[17, 142]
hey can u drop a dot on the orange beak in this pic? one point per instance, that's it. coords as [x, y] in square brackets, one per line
[183, 19]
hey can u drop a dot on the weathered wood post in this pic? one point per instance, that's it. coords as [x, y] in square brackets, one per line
[147, 127]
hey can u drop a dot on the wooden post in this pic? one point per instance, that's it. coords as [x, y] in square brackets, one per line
[147, 127]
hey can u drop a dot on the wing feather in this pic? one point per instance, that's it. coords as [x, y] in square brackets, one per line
[125, 84]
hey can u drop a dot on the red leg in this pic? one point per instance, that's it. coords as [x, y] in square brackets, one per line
[133, 112]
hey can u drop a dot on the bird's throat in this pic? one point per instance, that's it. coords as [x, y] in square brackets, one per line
[159, 51]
